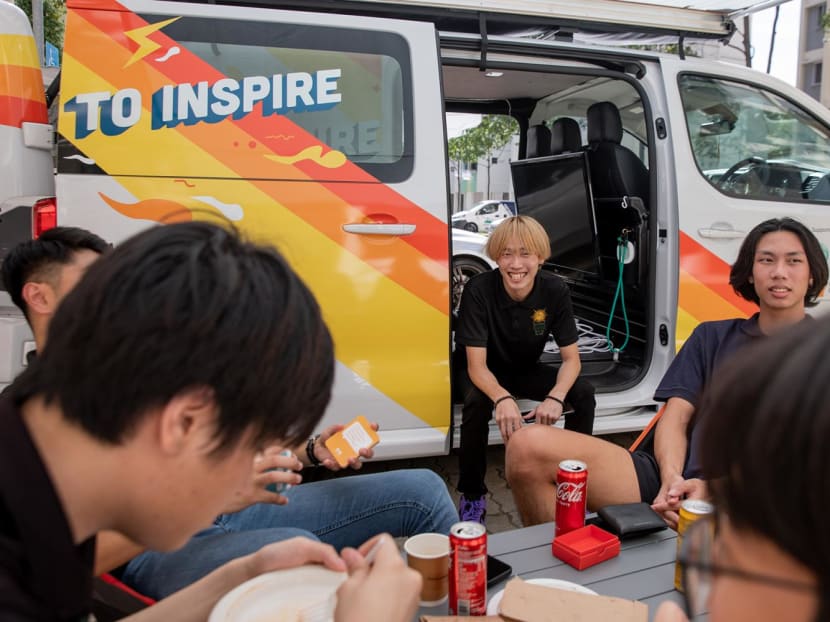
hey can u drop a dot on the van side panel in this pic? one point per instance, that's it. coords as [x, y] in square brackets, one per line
[168, 117]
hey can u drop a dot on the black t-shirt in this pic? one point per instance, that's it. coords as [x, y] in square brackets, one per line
[515, 333]
[44, 575]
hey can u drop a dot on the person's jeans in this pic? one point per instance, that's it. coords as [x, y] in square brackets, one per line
[345, 511]
[533, 383]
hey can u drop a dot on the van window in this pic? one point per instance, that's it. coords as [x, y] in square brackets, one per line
[749, 142]
[369, 77]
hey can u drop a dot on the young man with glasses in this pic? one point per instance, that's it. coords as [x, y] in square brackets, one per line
[765, 554]
[781, 268]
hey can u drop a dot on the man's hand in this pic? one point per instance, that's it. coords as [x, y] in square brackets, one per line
[508, 418]
[673, 492]
[547, 412]
[386, 591]
[291, 554]
[263, 475]
[324, 455]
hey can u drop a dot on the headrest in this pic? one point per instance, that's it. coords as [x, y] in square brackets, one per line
[565, 136]
[604, 123]
[538, 141]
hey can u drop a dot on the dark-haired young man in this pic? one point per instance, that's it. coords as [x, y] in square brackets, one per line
[781, 268]
[343, 512]
[37, 274]
[166, 370]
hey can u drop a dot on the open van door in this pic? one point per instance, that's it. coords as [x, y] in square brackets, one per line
[749, 153]
[299, 129]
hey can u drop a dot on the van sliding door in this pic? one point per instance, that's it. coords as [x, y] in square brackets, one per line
[300, 129]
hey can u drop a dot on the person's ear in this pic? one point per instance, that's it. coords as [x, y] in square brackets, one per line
[751, 280]
[40, 297]
[188, 420]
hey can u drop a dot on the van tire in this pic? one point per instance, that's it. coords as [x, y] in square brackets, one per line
[463, 269]
[471, 226]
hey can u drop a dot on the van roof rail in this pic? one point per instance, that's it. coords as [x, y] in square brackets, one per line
[505, 17]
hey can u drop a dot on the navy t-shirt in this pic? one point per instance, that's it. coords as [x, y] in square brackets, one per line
[709, 346]
[515, 333]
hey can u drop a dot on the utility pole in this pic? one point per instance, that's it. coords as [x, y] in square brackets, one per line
[37, 27]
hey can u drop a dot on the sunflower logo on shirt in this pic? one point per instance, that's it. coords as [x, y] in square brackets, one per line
[538, 318]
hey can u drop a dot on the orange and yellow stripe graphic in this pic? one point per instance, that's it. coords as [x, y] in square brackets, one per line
[705, 293]
[22, 96]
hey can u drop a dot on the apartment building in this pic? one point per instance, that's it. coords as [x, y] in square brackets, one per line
[813, 50]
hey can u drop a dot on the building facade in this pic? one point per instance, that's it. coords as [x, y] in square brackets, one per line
[813, 50]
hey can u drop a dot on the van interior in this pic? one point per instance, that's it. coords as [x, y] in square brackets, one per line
[583, 172]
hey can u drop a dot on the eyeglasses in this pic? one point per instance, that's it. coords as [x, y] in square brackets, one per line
[698, 569]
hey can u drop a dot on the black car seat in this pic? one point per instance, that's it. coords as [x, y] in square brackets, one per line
[615, 170]
[538, 141]
[566, 137]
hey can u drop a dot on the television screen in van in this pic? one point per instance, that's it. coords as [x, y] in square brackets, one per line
[556, 191]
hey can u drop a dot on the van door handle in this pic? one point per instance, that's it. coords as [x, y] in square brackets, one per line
[380, 229]
[721, 233]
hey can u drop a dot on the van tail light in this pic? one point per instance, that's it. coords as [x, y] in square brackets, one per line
[44, 216]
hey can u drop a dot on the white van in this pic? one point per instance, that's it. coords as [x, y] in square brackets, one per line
[321, 129]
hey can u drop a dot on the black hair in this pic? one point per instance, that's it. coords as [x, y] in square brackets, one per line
[763, 445]
[741, 272]
[35, 259]
[187, 306]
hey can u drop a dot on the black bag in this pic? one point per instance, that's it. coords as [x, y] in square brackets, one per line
[631, 519]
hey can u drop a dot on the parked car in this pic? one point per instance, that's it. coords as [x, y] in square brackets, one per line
[477, 217]
[468, 259]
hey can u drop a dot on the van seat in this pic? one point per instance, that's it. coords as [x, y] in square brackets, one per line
[566, 137]
[538, 141]
[615, 170]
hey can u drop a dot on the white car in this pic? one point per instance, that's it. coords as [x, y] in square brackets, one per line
[468, 259]
[477, 217]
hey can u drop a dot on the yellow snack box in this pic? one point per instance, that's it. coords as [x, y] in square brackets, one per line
[347, 443]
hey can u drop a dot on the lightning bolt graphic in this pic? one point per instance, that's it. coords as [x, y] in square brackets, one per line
[141, 37]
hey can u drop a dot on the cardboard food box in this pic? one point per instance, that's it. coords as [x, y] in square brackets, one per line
[586, 546]
[525, 602]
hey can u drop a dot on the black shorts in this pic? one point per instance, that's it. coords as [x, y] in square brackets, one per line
[648, 475]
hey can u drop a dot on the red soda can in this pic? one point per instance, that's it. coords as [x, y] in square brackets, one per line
[571, 495]
[468, 569]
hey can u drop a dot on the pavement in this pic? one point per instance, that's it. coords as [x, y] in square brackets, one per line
[502, 514]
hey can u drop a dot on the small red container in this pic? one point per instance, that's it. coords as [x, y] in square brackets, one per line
[468, 570]
[586, 546]
[571, 495]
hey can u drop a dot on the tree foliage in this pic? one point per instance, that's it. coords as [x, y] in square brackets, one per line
[54, 15]
[481, 141]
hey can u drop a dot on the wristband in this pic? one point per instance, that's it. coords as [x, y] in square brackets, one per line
[555, 399]
[501, 399]
[309, 450]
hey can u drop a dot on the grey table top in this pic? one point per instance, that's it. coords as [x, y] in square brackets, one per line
[644, 569]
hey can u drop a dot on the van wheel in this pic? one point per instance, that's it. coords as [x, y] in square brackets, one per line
[471, 226]
[463, 269]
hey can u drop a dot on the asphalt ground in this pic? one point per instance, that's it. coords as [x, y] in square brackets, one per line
[501, 509]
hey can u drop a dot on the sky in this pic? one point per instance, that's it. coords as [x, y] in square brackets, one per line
[785, 50]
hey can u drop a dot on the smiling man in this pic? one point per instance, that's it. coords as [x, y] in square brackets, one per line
[505, 318]
[781, 268]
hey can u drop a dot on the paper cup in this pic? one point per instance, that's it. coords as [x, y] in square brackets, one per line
[429, 554]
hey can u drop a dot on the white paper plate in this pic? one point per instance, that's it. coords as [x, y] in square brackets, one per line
[495, 600]
[277, 596]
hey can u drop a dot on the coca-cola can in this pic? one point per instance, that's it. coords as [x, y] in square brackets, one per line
[468, 569]
[571, 495]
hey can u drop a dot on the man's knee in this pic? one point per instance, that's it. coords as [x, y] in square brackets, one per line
[530, 452]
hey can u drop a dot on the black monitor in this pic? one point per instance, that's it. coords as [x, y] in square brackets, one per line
[556, 191]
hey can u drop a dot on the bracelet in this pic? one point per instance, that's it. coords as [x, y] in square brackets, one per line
[501, 399]
[309, 450]
[555, 399]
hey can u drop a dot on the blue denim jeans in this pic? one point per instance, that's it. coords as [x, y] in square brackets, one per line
[345, 511]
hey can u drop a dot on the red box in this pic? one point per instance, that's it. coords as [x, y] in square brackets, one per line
[586, 546]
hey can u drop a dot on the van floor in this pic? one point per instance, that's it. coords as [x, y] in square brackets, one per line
[603, 371]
